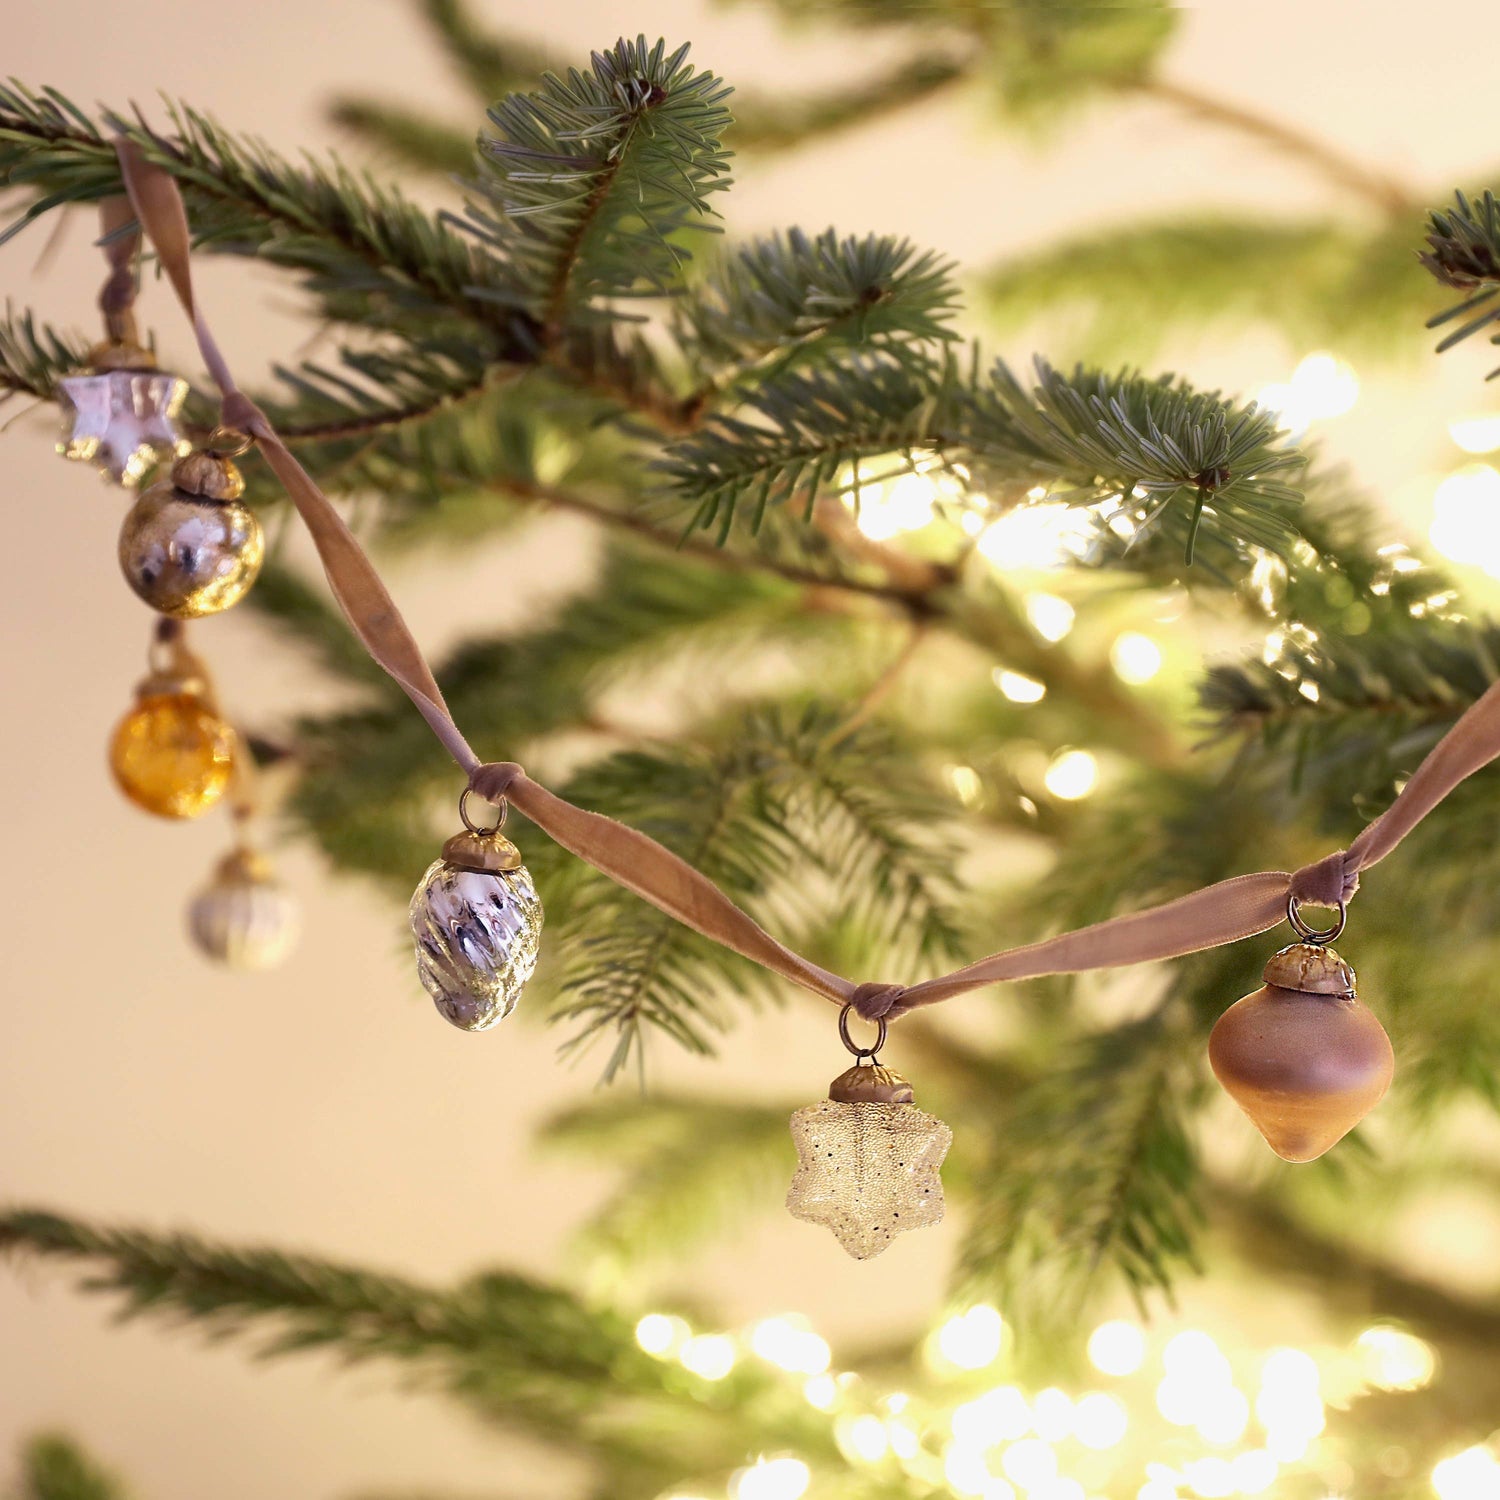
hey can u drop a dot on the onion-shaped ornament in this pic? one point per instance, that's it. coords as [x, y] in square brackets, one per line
[121, 413]
[1303, 1058]
[867, 1157]
[244, 918]
[477, 923]
[172, 754]
[190, 546]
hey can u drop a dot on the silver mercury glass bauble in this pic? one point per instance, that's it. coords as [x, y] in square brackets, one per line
[244, 918]
[477, 923]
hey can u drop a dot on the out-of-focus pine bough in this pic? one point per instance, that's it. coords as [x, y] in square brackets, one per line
[496, 369]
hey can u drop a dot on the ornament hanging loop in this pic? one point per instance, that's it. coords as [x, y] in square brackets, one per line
[864, 1054]
[481, 830]
[1309, 934]
[228, 442]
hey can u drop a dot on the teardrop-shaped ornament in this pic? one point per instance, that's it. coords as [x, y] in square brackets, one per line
[1302, 1056]
[477, 922]
[867, 1157]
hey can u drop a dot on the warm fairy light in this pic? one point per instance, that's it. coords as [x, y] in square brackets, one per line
[998, 1416]
[1395, 1360]
[1321, 386]
[821, 1391]
[1044, 534]
[661, 1334]
[863, 1437]
[971, 1340]
[1225, 1417]
[1473, 1474]
[1072, 774]
[1029, 1463]
[885, 508]
[1052, 1415]
[1180, 1400]
[790, 1344]
[1018, 687]
[771, 1479]
[1117, 1347]
[1466, 517]
[1064, 1487]
[708, 1355]
[965, 1469]
[1254, 1472]
[1476, 434]
[1157, 1489]
[1193, 1354]
[1136, 658]
[1212, 1478]
[967, 784]
[905, 1440]
[1051, 617]
[1099, 1421]
[1289, 1405]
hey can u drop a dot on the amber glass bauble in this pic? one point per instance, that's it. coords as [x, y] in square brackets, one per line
[172, 755]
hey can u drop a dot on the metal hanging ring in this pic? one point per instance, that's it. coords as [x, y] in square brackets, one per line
[229, 442]
[860, 1052]
[471, 825]
[1312, 934]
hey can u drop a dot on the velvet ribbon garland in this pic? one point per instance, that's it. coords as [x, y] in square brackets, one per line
[1207, 918]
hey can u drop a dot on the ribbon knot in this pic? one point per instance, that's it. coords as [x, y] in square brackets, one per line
[874, 1001]
[494, 779]
[1330, 882]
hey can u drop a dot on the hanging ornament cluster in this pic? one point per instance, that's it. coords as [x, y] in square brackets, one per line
[476, 921]
[121, 414]
[867, 1157]
[1303, 1058]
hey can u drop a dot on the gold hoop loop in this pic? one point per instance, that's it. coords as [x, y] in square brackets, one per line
[862, 1053]
[229, 442]
[471, 825]
[1312, 934]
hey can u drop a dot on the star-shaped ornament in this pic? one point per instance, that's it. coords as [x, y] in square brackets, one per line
[867, 1161]
[122, 414]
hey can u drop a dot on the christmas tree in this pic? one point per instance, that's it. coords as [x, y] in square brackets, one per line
[915, 652]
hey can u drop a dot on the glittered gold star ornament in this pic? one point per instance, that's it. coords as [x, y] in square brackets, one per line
[121, 415]
[867, 1157]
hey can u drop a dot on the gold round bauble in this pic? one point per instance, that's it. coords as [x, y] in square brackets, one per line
[188, 555]
[1303, 1058]
[172, 755]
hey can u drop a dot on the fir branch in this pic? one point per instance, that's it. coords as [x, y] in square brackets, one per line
[54, 1467]
[34, 357]
[407, 138]
[1463, 251]
[690, 1170]
[595, 178]
[783, 299]
[1092, 1173]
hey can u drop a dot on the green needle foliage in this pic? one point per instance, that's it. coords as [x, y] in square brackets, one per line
[53, 1467]
[850, 729]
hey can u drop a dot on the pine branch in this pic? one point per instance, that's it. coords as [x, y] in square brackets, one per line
[411, 140]
[54, 1467]
[34, 357]
[595, 179]
[1464, 252]
[690, 1170]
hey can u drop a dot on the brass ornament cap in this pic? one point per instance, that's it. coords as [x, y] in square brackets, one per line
[870, 1083]
[1305, 1065]
[489, 853]
[120, 354]
[1311, 968]
[208, 476]
[187, 555]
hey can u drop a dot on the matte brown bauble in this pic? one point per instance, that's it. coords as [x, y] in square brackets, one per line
[1301, 1056]
[189, 546]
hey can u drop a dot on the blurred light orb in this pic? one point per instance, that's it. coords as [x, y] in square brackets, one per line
[998, 1416]
[1212, 1478]
[1051, 617]
[661, 1334]
[965, 1469]
[1099, 1421]
[710, 1356]
[1072, 774]
[1394, 1360]
[1117, 1348]
[1044, 534]
[863, 1437]
[1479, 434]
[1136, 658]
[772, 1479]
[971, 1340]
[1052, 1415]
[790, 1344]
[884, 508]
[1029, 1463]
[1193, 1354]
[1473, 1474]
[1321, 386]
[821, 1391]
[1255, 1471]
[1225, 1417]
[1466, 517]
[1018, 687]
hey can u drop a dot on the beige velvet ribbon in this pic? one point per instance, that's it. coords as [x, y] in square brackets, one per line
[1207, 918]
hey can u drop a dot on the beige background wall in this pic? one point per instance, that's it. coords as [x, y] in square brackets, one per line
[325, 1106]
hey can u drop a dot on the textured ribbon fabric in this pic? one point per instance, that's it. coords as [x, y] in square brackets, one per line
[1207, 918]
